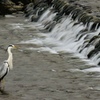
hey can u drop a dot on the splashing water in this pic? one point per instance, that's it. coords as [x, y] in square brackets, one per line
[66, 36]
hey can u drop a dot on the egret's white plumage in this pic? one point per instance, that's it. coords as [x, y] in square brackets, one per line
[7, 64]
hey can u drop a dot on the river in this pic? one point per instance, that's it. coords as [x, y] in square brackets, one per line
[45, 68]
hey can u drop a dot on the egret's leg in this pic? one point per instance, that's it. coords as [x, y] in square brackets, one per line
[2, 86]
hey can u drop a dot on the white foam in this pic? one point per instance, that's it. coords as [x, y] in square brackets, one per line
[16, 26]
[33, 41]
[94, 69]
[66, 36]
[9, 16]
[41, 49]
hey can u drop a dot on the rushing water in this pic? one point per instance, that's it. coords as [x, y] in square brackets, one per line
[66, 36]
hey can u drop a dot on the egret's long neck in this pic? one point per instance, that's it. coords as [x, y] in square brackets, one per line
[10, 58]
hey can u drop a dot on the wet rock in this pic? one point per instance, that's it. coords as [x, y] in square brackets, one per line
[80, 11]
[96, 24]
[95, 41]
[29, 10]
[35, 9]
[34, 18]
[50, 26]
[71, 1]
[10, 6]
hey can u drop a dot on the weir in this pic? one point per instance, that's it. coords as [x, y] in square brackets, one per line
[66, 28]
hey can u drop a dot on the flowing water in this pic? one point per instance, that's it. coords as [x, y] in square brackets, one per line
[66, 36]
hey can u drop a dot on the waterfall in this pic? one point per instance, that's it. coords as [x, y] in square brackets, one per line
[67, 35]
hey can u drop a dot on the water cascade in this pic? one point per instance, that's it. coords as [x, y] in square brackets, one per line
[66, 28]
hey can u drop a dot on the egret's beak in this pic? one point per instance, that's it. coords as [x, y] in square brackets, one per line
[15, 47]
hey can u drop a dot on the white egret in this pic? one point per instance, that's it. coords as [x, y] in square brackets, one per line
[6, 66]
